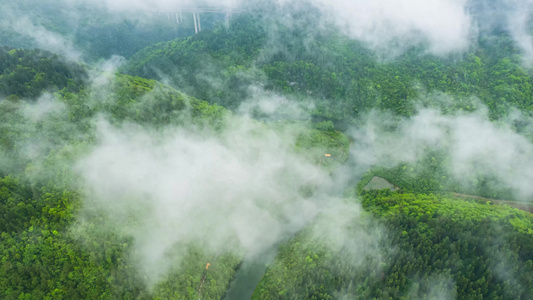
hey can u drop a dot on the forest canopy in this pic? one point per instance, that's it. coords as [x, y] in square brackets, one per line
[266, 150]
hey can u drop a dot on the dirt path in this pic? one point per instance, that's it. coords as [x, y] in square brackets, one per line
[204, 277]
[518, 205]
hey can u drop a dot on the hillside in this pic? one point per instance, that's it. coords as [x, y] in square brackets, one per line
[484, 249]
[27, 73]
[340, 76]
[66, 26]
[301, 149]
[42, 235]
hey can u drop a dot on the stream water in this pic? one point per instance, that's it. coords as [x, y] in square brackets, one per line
[253, 268]
[250, 273]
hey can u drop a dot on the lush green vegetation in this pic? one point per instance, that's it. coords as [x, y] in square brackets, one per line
[42, 259]
[42, 256]
[434, 246]
[417, 243]
[342, 77]
[213, 65]
[431, 174]
[94, 30]
[28, 73]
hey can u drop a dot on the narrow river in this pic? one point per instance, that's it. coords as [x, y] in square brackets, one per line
[250, 273]
[253, 268]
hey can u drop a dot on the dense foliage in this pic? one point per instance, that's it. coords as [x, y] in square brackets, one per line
[427, 243]
[45, 252]
[42, 258]
[90, 28]
[212, 65]
[432, 174]
[441, 247]
[342, 77]
[27, 73]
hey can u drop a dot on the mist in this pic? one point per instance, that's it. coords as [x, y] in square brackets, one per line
[387, 27]
[245, 186]
[476, 146]
[123, 5]
[42, 37]
[519, 18]
[235, 192]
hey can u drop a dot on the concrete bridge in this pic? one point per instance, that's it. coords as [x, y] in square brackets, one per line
[177, 14]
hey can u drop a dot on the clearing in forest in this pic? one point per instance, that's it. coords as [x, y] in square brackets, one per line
[378, 183]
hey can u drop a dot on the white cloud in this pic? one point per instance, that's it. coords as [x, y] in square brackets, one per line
[129, 5]
[182, 187]
[44, 39]
[390, 26]
[476, 146]
[518, 18]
